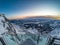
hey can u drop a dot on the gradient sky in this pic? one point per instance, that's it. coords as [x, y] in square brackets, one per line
[17, 8]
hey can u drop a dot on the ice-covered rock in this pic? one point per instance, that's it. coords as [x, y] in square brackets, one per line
[3, 24]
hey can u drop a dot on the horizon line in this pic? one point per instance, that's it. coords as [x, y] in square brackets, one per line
[26, 16]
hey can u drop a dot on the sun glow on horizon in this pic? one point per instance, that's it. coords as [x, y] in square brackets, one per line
[37, 11]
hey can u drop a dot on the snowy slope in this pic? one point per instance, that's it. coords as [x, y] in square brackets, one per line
[55, 33]
[8, 30]
[6, 26]
[3, 25]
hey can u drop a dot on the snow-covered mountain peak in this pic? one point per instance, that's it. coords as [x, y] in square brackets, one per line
[3, 18]
[3, 24]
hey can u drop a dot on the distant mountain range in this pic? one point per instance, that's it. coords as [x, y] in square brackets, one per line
[48, 16]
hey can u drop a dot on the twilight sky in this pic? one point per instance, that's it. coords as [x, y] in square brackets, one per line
[21, 8]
